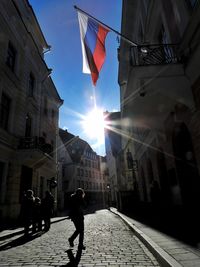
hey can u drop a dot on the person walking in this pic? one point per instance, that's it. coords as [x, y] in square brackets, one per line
[77, 217]
[47, 209]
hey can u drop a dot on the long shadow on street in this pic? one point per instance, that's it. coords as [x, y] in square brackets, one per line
[73, 261]
[20, 241]
[175, 222]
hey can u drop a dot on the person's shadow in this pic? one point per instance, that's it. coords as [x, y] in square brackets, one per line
[20, 241]
[73, 261]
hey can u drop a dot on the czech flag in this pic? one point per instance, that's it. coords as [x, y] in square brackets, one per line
[93, 37]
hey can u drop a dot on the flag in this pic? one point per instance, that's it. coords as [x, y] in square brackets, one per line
[93, 36]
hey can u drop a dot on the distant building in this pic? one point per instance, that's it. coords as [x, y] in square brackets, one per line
[79, 167]
[29, 109]
[159, 80]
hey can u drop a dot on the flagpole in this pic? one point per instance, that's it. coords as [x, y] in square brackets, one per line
[94, 97]
[108, 27]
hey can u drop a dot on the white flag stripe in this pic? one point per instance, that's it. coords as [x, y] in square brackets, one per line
[83, 21]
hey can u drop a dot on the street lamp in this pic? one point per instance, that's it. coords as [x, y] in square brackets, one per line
[108, 192]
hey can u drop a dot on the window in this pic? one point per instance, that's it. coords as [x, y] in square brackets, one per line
[146, 5]
[140, 33]
[31, 85]
[166, 51]
[5, 111]
[28, 128]
[44, 135]
[11, 57]
[63, 171]
[162, 36]
[192, 3]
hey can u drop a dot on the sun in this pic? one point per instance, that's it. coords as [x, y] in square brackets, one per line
[93, 124]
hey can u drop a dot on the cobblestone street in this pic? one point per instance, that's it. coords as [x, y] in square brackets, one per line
[109, 242]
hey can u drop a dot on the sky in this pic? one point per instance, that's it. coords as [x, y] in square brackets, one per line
[59, 23]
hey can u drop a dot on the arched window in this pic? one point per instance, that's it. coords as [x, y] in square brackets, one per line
[31, 85]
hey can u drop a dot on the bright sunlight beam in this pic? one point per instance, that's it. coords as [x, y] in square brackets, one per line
[93, 124]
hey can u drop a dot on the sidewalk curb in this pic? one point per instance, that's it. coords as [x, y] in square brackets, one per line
[163, 257]
[18, 232]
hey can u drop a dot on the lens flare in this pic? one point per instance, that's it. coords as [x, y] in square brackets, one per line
[93, 124]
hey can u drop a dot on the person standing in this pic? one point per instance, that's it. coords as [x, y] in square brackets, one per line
[37, 215]
[47, 209]
[27, 210]
[77, 217]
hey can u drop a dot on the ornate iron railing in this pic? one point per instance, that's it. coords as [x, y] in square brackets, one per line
[35, 142]
[154, 54]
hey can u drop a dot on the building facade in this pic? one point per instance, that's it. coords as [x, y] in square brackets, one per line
[159, 82]
[112, 147]
[29, 109]
[80, 166]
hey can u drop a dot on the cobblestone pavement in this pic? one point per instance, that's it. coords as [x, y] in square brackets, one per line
[109, 242]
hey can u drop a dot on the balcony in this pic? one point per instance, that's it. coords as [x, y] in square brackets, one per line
[160, 54]
[36, 142]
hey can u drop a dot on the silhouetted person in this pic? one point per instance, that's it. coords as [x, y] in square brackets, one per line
[27, 210]
[77, 217]
[47, 209]
[37, 215]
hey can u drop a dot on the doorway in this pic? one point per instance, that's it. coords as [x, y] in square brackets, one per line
[187, 172]
[26, 180]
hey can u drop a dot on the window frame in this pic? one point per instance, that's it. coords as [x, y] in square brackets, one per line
[11, 56]
[5, 110]
[31, 84]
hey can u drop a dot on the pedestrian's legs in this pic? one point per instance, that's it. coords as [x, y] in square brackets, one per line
[34, 225]
[81, 232]
[76, 232]
[79, 225]
[39, 224]
[26, 226]
[47, 223]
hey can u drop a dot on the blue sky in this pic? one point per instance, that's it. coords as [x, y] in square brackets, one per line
[59, 23]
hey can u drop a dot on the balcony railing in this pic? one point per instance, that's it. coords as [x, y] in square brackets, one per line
[35, 142]
[154, 54]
